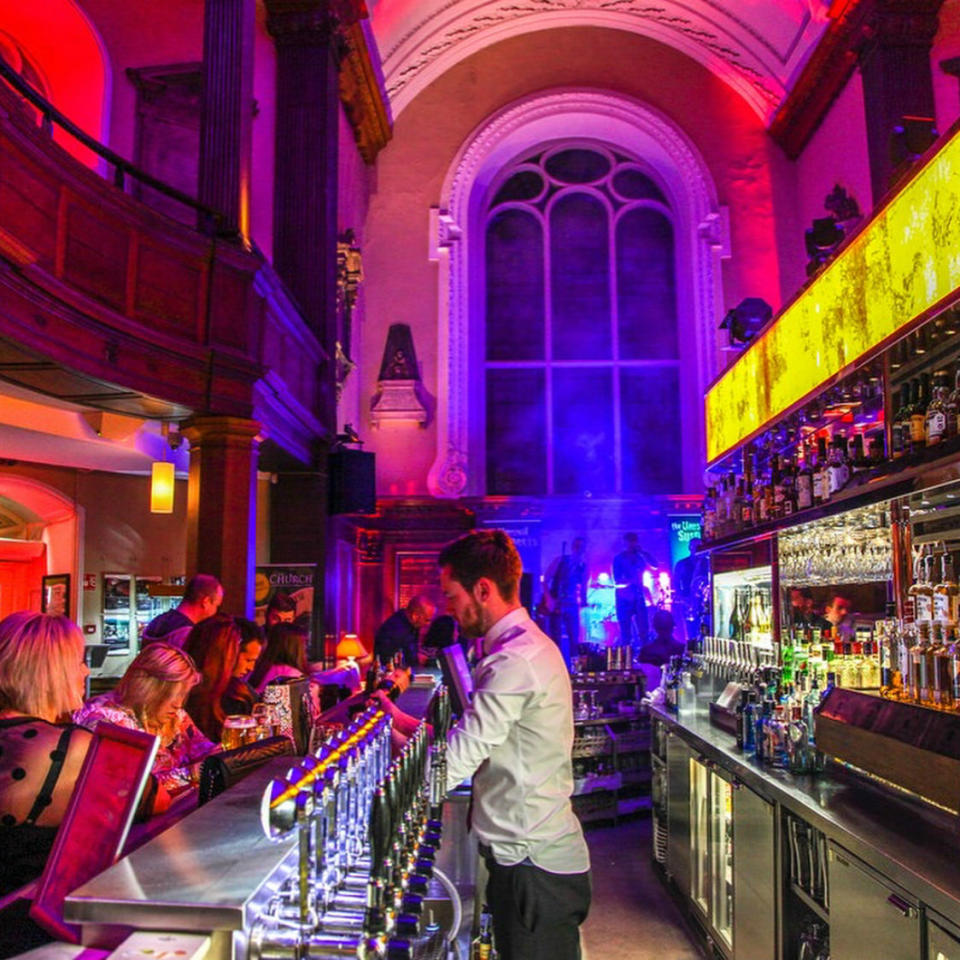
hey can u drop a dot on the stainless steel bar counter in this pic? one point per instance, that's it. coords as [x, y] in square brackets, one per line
[907, 845]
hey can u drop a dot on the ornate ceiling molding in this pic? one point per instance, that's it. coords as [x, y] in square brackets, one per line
[423, 40]
[363, 94]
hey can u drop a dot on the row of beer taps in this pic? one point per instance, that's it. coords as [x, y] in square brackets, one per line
[368, 828]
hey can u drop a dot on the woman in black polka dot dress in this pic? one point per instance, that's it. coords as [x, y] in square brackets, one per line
[42, 673]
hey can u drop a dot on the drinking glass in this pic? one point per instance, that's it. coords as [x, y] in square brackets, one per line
[238, 730]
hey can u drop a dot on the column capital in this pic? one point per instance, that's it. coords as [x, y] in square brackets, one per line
[902, 22]
[213, 430]
[307, 22]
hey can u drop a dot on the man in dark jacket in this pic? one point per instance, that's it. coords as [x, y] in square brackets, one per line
[202, 597]
[400, 632]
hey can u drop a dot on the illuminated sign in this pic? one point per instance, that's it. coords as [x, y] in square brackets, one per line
[901, 264]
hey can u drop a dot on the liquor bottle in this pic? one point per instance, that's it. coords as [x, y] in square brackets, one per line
[733, 628]
[482, 947]
[920, 592]
[896, 436]
[911, 392]
[936, 424]
[805, 482]
[942, 674]
[946, 594]
[875, 448]
[750, 723]
[858, 460]
[810, 704]
[837, 472]
[788, 482]
[870, 667]
[918, 415]
[798, 742]
[953, 406]
[905, 643]
[710, 514]
[736, 507]
[821, 475]
[776, 483]
[919, 675]
[740, 713]
[891, 679]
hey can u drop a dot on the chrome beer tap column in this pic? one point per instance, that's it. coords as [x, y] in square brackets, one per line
[366, 841]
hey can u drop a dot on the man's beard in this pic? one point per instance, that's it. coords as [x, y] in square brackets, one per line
[473, 627]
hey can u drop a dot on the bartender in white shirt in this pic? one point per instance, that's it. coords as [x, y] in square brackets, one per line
[515, 739]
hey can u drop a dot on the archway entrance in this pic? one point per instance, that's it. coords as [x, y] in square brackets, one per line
[39, 536]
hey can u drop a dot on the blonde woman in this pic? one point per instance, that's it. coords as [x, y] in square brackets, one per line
[150, 697]
[42, 675]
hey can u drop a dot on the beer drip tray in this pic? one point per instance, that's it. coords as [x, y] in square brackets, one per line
[913, 747]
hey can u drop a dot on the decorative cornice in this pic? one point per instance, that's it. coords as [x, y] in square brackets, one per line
[727, 40]
[855, 27]
[362, 93]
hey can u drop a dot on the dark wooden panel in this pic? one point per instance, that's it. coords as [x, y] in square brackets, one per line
[168, 290]
[95, 255]
[28, 205]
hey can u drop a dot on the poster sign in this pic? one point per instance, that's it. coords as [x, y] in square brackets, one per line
[56, 595]
[295, 580]
[682, 531]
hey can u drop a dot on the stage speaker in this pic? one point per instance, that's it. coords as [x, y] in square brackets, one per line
[526, 592]
[353, 487]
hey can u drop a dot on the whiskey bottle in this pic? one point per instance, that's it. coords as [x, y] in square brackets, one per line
[838, 471]
[920, 592]
[936, 425]
[918, 415]
[896, 436]
[953, 407]
[821, 475]
[805, 482]
[942, 674]
[946, 594]
[788, 482]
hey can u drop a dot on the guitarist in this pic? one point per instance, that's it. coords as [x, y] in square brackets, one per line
[565, 592]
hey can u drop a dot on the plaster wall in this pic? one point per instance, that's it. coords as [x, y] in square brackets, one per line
[836, 154]
[946, 45]
[751, 175]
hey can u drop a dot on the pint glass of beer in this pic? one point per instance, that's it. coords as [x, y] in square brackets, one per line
[237, 730]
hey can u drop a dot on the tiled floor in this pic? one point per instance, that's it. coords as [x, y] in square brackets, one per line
[632, 916]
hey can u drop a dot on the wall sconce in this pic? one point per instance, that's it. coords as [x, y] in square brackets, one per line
[161, 487]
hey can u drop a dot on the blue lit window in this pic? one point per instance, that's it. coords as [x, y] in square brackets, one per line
[581, 361]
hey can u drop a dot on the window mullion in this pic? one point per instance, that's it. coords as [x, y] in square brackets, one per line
[615, 347]
[548, 344]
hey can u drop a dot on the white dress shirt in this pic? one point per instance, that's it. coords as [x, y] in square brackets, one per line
[515, 738]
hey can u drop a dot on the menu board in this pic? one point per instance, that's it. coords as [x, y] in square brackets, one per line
[417, 572]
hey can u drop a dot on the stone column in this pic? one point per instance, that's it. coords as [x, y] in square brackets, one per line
[227, 117]
[221, 504]
[308, 38]
[897, 82]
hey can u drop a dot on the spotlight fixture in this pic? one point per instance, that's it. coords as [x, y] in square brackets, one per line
[746, 320]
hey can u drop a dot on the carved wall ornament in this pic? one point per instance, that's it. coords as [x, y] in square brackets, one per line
[398, 386]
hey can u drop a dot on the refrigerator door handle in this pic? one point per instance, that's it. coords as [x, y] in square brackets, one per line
[898, 903]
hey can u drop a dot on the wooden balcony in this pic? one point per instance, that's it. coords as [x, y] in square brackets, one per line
[124, 301]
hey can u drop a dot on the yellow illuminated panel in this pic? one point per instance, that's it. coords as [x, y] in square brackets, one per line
[901, 264]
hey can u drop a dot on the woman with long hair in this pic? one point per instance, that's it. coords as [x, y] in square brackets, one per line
[240, 697]
[214, 644]
[42, 674]
[285, 655]
[149, 697]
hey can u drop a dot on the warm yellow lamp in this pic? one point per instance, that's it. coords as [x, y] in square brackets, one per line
[161, 487]
[348, 649]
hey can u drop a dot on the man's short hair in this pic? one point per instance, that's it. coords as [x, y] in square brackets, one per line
[420, 603]
[484, 553]
[630, 537]
[282, 603]
[199, 586]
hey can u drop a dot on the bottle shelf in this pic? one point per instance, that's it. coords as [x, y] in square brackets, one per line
[931, 467]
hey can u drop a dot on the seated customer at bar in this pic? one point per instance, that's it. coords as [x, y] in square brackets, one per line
[42, 674]
[239, 696]
[284, 656]
[150, 698]
[214, 645]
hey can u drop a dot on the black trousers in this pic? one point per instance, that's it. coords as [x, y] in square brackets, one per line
[536, 914]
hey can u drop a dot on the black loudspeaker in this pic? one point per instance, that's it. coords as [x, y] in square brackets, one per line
[353, 486]
[526, 592]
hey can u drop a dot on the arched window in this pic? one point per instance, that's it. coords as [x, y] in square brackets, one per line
[581, 347]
